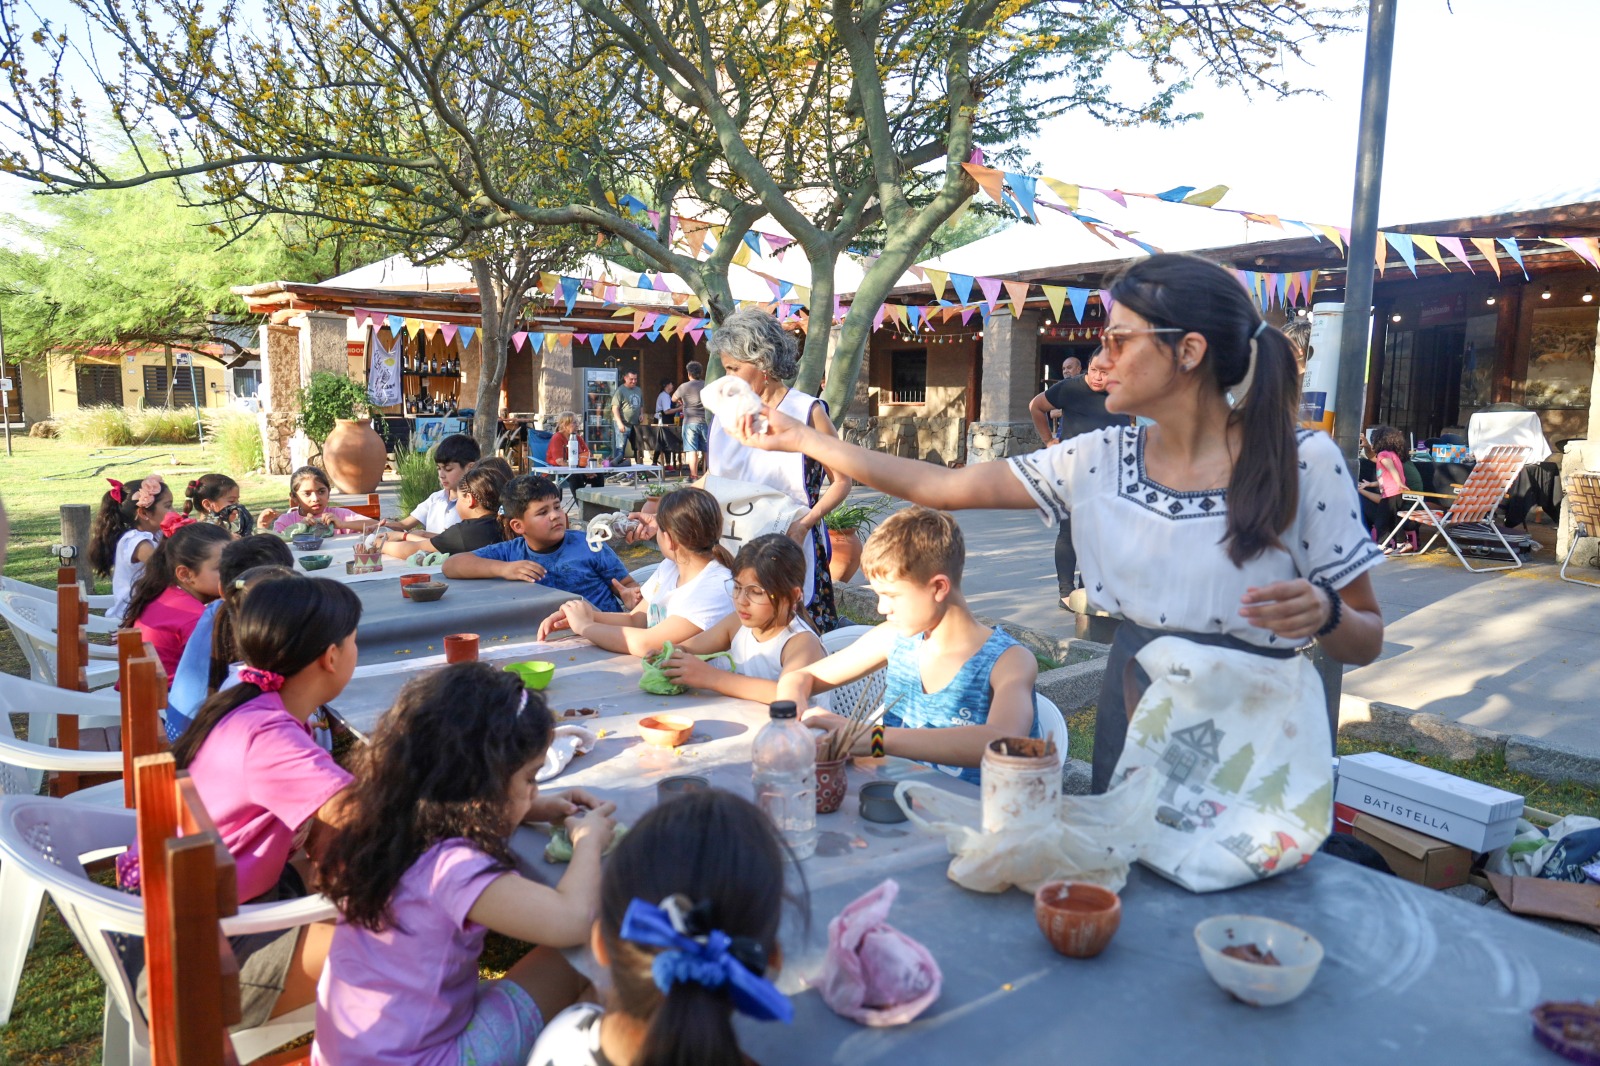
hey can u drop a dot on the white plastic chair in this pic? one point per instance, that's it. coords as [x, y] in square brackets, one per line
[644, 573]
[33, 624]
[39, 592]
[866, 691]
[47, 840]
[1052, 723]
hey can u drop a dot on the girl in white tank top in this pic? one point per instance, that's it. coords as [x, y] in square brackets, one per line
[767, 633]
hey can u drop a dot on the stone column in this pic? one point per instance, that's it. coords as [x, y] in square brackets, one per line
[1581, 456]
[322, 343]
[558, 387]
[280, 380]
[1010, 364]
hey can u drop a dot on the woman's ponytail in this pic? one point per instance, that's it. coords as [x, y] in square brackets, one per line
[1264, 490]
[693, 1026]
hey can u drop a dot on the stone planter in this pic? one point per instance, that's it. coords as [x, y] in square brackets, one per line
[846, 555]
[354, 456]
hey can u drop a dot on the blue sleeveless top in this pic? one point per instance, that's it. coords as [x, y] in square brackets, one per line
[964, 701]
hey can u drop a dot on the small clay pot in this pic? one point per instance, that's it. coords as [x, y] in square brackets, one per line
[681, 785]
[832, 784]
[460, 647]
[407, 580]
[1078, 919]
[428, 591]
[665, 730]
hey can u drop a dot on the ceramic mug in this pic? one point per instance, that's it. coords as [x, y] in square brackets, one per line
[460, 647]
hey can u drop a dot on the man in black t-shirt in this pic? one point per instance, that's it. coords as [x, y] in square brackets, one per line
[1082, 404]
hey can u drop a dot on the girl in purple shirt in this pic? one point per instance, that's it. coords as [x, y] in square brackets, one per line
[421, 870]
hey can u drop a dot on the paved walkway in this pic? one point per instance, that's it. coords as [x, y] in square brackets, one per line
[1515, 651]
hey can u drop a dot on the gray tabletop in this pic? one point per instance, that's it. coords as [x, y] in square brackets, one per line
[498, 611]
[1410, 976]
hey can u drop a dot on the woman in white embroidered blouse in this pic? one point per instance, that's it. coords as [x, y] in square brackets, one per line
[1219, 523]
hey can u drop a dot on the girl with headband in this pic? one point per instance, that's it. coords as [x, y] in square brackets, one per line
[126, 532]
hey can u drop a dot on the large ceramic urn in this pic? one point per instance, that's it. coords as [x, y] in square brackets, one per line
[354, 456]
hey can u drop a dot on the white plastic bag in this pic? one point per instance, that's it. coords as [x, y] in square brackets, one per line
[1095, 839]
[1240, 744]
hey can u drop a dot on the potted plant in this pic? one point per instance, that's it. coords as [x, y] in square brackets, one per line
[336, 413]
[847, 524]
[652, 496]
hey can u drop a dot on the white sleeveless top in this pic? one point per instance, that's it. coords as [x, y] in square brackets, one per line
[124, 571]
[784, 471]
[764, 659]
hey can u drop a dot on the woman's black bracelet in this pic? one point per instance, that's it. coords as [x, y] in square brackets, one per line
[1335, 607]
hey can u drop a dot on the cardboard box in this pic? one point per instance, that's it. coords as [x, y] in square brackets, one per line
[1568, 901]
[1344, 818]
[1428, 801]
[1423, 860]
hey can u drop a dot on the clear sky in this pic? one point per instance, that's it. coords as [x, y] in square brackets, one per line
[1491, 107]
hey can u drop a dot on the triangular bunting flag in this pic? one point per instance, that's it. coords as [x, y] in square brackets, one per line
[1057, 295]
[1018, 292]
[1023, 187]
[937, 279]
[1114, 195]
[877, 318]
[569, 292]
[694, 235]
[1381, 254]
[988, 179]
[395, 323]
[962, 284]
[537, 340]
[1106, 300]
[1454, 247]
[518, 340]
[1588, 249]
[991, 289]
[1430, 245]
[742, 257]
[1401, 242]
[449, 330]
[1175, 196]
[1080, 302]
[466, 334]
[1332, 234]
[1510, 245]
[752, 241]
[913, 317]
[1485, 247]
[1207, 197]
[1068, 193]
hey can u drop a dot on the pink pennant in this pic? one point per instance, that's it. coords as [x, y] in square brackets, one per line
[778, 243]
[697, 334]
[991, 289]
[518, 340]
[1114, 195]
[449, 330]
[877, 319]
[655, 218]
[1454, 247]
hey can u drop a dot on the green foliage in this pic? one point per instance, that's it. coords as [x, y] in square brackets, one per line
[328, 398]
[419, 478]
[856, 517]
[118, 427]
[237, 440]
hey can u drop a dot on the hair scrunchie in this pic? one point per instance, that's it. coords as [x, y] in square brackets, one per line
[710, 959]
[265, 680]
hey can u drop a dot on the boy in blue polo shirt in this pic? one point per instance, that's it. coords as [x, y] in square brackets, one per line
[540, 548]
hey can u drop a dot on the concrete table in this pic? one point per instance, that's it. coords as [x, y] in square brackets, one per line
[500, 612]
[343, 550]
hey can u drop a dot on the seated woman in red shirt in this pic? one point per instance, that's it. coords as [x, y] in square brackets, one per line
[177, 582]
[556, 454]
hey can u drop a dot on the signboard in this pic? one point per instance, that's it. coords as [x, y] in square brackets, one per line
[6, 385]
[183, 359]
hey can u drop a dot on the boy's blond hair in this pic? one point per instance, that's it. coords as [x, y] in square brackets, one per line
[916, 544]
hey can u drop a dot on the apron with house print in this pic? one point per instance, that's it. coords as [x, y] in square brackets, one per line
[1240, 742]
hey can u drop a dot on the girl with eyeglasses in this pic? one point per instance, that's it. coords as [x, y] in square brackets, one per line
[1221, 522]
[768, 632]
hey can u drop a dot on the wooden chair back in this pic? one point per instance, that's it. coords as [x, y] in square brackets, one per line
[1486, 486]
[144, 694]
[189, 885]
[72, 656]
[370, 509]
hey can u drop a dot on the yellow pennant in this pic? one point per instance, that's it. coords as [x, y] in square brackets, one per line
[1431, 246]
[1207, 197]
[742, 256]
[1067, 192]
[938, 279]
[1332, 233]
[1055, 294]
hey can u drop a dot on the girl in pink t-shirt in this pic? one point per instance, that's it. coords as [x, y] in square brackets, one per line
[309, 489]
[268, 786]
[179, 579]
[421, 870]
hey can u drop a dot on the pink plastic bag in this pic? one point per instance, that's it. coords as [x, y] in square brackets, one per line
[874, 974]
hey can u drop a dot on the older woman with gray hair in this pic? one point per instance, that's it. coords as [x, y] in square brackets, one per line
[752, 345]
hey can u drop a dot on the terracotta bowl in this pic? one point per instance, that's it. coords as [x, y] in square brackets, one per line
[315, 562]
[1078, 919]
[428, 591]
[535, 673]
[407, 580]
[1297, 952]
[665, 730]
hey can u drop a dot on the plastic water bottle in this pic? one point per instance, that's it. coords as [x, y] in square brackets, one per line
[784, 761]
[572, 450]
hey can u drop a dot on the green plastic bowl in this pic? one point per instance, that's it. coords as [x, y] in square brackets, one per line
[535, 673]
[315, 562]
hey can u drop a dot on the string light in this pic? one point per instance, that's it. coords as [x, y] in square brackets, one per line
[1395, 317]
[1489, 301]
[1588, 296]
[1545, 295]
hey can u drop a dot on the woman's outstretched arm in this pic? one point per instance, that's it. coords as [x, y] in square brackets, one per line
[977, 486]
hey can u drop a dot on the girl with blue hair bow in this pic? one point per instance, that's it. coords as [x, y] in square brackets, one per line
[690, 904]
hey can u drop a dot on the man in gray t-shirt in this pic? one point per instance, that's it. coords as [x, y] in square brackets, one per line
[694, 417]
[626, 404]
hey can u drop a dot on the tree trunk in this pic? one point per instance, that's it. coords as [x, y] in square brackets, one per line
[494, 338]
[814, 358]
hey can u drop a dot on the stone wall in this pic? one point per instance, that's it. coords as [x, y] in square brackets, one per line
[998, 440]
[280, 381]
[936, 439]
[556, 389]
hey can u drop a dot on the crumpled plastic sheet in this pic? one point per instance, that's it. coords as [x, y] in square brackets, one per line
[873, 973]
[1095, 839]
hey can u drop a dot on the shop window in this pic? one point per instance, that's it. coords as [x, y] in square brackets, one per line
[908, 376]
[183, 386]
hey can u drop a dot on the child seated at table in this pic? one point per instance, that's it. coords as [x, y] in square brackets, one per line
[421, 870]
[214, 499]
[265, 782]
[699, 865]
[478, 506]
[177, 582]
[191, 682]
[953, 685]
[540, 548]
[767, 633]
[437, 513]
[686, 595]
[309, 489]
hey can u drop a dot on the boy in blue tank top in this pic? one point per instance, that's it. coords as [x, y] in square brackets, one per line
[954, 684]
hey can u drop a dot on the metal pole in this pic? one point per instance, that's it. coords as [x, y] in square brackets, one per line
[1350, 404]
[5, 408]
